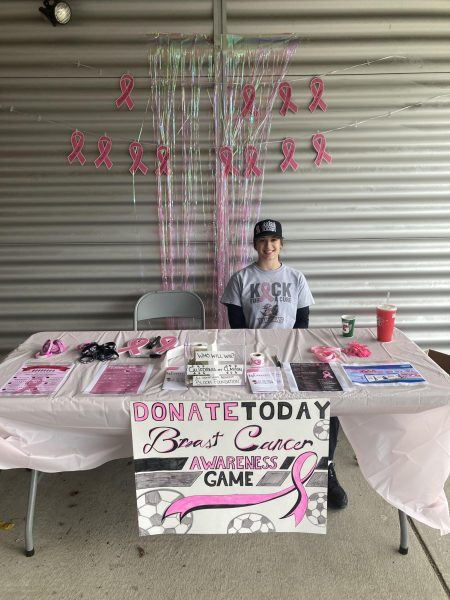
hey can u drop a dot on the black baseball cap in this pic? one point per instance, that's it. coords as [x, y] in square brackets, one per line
[267, 227]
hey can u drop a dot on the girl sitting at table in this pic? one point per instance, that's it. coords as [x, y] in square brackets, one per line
[268, 294]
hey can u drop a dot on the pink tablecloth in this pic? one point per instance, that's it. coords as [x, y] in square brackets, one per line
[401, 434]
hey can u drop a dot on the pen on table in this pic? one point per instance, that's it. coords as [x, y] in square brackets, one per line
[277, 361]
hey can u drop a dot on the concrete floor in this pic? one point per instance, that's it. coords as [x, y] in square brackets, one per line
[87, 547]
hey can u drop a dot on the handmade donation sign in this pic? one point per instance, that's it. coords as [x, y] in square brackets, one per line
[231, 467]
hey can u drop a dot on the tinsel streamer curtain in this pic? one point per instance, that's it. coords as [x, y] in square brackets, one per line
[243, 62]
[181, 87]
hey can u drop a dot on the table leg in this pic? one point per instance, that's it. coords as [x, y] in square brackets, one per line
[29, 547]
[403, 533]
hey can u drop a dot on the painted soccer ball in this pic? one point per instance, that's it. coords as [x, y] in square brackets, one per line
[250, 523]
[151, 507]
[322, 429]
[316, 512]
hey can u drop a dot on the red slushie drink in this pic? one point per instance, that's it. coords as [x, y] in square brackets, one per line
[385, 322]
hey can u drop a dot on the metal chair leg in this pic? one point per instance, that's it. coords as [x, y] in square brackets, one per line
[29, 547]
[403, 549]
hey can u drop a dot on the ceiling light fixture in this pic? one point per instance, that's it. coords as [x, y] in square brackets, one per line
[58, 13]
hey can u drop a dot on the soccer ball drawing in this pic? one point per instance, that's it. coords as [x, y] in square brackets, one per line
[250, 523]
[322, 429]
[316, 512]
[151, 507]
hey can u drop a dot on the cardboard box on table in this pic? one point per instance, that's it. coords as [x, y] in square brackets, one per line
[441, 359]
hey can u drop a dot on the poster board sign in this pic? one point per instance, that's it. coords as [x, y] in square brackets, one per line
[231, 467]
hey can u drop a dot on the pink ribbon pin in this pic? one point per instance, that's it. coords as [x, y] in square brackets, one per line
[249, 94]
[285, 93]
[166, 343]
[77, 140]
[288, 148]
[251, 156]
[226, 158]
[134, 346]
[266, 295]
[136, 152]
[317, 88]
[320, 143]
[126, 87]
[163, 155]
[184, 506]
[104, 147]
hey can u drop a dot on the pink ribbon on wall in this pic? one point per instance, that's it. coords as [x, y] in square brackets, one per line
[317, 88]
[77, 140]
[163, 155]
[226, 158]
[136, 152]
[184, 506]
[251, 156]
[134, 346]
[249, 94]
[285, 93]
[104, 147]
[320, 143]
[126, 87]
[288, 148]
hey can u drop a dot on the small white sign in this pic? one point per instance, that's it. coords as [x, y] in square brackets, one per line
[199, 380]
[207, 355]
[215, 369]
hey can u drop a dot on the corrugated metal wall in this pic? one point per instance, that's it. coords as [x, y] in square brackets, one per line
[76, 250]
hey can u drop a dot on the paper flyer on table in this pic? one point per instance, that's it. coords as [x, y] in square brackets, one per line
[36, 379]
[382, 374]
[264, 380]
[119, 379]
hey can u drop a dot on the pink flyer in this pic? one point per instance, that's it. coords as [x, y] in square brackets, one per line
[120, 379]
[35, 380]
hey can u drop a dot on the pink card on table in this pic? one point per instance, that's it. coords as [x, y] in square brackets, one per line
[36, 380]
[120, 379]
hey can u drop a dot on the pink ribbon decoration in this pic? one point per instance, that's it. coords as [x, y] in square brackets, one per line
[317, 88]
[326, 353]
[184, 506]
[226, 158]
[251, 156]
[288, 148]
[285, 93]
[163, 155]
[249, 94]
[136, 152]
[266, 295]
[134, 346]
[320, 143]
[126, 87]
[104, 147]
[77, 140]
[166, 343]
[51, 347]
[327, 375]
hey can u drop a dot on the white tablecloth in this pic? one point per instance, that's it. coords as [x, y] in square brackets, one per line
[400, 434]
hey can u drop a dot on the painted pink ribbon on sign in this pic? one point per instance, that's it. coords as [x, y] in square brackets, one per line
[317, 88]
[136, 152]
[163, 155]
[226, 158]
[77, 140]
[266, 295]
[249, 94]
[184, 506]
[166, 343]
[320, 143]
[251, 156]
[288, 148]
[134, 346]
[285, 93]
[104, 147]
[126, 87]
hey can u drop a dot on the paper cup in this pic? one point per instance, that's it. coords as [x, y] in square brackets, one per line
[257, 359]
[385, 322]
[348, 325]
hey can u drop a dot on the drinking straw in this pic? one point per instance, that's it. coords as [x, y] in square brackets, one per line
[388, 295]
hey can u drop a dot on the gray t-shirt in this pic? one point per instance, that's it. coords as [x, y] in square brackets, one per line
[269, 299]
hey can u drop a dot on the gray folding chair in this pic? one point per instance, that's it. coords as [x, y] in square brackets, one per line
[175, 303]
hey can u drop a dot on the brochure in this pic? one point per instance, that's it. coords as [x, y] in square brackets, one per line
[382, 374]
[36, 379]
[312, 377]
[119, 379]
[175, 379]
[264, 380]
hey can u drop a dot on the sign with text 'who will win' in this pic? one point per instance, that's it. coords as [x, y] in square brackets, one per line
[231, 467]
